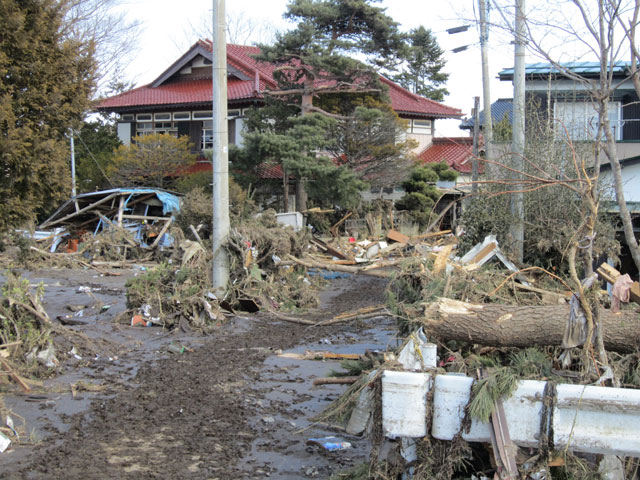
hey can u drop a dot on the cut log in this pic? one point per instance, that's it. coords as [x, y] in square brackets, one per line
[521, 326]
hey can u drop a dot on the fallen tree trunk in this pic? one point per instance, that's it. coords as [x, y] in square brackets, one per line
[521, 326]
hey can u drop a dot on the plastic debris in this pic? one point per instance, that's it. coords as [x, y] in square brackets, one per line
[176, 348]
[9, 423]
[417, 354]
[331, 444]
[74, 353]
[47, 357]
[4, 442]
[138, 321]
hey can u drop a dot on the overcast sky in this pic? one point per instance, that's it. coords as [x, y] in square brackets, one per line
[169, 25]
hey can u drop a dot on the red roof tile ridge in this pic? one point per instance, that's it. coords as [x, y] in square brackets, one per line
[417, 97]
[127, 93]
[248, 66]
[459, 140]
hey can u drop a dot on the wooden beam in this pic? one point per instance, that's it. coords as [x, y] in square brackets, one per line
[82, 210]
[162, 232]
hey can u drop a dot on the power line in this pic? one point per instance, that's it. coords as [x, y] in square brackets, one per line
[95, 161]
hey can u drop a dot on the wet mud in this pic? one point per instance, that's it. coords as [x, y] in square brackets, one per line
[228, 408]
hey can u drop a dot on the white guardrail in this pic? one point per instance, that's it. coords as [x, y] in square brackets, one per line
[591, 419]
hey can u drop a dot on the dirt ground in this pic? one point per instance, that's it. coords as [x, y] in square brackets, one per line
[229, 408]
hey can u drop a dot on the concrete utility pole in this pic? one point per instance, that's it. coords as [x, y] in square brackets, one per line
[487, 124]
[73, 165]
[220, 152]
[517, 159]
[476, 146]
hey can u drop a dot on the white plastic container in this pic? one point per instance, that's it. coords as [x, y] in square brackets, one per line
[404, 404]
[427, 357]
[293, 219]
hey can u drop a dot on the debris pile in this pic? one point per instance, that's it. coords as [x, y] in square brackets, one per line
[506, 392]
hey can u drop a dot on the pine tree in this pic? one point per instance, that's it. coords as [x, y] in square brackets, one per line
[46, 84]
[422, 194]
[314, 60]
[423, 73]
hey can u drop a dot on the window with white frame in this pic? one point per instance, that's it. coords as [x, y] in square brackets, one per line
[206, 140]
[580, 119]
[421, 126]
[148, 128]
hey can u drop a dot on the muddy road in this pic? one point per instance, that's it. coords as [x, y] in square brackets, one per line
[228, 408]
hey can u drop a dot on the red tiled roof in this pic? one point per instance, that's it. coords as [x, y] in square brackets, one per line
[456, 151]
[403, 101]
[270, 171]
[196, 91]
[264, 170]
[198, 167]
[179, 92]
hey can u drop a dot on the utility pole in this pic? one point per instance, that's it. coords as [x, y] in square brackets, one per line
[73, 165]
[487, 124]
[220, 151]
[476, 148]
[517, 159]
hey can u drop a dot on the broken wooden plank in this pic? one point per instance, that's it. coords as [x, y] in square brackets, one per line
[441, 259]
[440, 216]
[334, 228]
[110, 212]
[82, 210]
[309, 263]
[396, 236]
[610, 274]
[335, 380]
[195, 233]
[425, 236]
[17, 378]
[483, 253]
[504, 450]
[542, 291]
[162, 232]
[309, 355]
[360, 311]
[329, 249]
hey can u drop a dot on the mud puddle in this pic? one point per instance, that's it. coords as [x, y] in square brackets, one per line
[290, 400]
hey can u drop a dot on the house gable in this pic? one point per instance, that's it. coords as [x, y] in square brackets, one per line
[195, 64]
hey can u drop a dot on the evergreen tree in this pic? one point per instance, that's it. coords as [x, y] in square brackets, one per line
[47, 81]
[422, 194]
[292, 144]
[422, 73]
[95, 143]
[314, 60]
